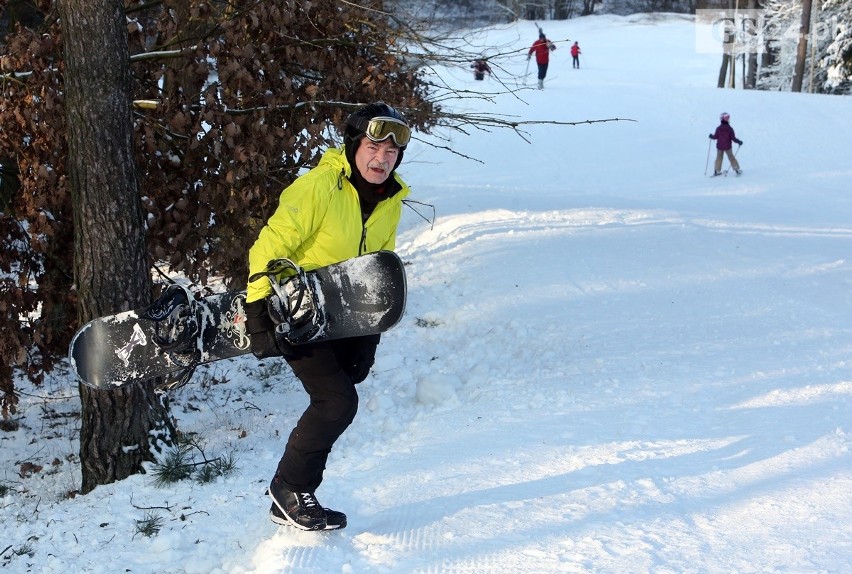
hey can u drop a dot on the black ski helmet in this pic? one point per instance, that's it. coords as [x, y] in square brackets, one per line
[356, 121]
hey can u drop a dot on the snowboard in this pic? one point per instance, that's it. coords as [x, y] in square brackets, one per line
[365, 295]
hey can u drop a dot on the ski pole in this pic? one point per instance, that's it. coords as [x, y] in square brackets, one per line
[707, 163]
[729, 162]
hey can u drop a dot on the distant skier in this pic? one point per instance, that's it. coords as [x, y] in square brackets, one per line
[542, 48]
[575, 53]
[480, 68]
[724, 137]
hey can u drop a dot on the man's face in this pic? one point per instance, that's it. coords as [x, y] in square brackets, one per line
[375, 160]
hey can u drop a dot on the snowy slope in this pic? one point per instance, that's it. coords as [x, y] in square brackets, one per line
[609, 362]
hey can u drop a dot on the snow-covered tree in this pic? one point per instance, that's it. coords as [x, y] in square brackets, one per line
[836, 60]
[828, 67]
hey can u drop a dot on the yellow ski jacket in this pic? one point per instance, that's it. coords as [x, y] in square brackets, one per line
[318, 222]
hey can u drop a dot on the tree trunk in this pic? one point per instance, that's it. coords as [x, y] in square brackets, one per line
[111, 270]
[732, 61]
[751, 75]
[727, 54]
[802, 48]
[723, 71]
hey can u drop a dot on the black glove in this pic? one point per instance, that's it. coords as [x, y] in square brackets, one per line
[357, 356]
[740, 142]
[264, 341]
[710, 136]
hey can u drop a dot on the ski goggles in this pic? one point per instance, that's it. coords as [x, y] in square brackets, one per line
[381, 128]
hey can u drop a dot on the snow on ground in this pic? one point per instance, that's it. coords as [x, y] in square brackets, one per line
[609, 362]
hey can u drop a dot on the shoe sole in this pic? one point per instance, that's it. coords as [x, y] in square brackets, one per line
[282, 521]
[338, 523]
[292, 522]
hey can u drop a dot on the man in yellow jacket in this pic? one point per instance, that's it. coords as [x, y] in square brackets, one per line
[350, 204]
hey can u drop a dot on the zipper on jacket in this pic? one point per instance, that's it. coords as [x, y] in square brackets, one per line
[362, 248]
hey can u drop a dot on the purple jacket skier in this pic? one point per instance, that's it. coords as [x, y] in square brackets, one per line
[725, 138]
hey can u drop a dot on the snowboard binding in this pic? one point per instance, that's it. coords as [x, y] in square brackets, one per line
[294, 307]
[177, 327]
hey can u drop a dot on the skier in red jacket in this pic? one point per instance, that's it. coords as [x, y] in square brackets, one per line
[575, 53]
[542, 48]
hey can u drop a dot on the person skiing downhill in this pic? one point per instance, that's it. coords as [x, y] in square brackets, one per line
[541, 48]
[347, 205]
[480, 68]
[575, 54]
[724, 136]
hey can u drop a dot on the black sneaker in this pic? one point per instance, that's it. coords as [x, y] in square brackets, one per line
[334, 520]
[300, 509]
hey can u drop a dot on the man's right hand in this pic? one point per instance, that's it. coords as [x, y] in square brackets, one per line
[264, 341]
[263, 345]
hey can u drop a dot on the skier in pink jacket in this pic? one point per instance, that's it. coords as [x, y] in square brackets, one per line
[725, 137]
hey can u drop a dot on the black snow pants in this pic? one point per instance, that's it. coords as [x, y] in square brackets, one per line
[329, 372]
